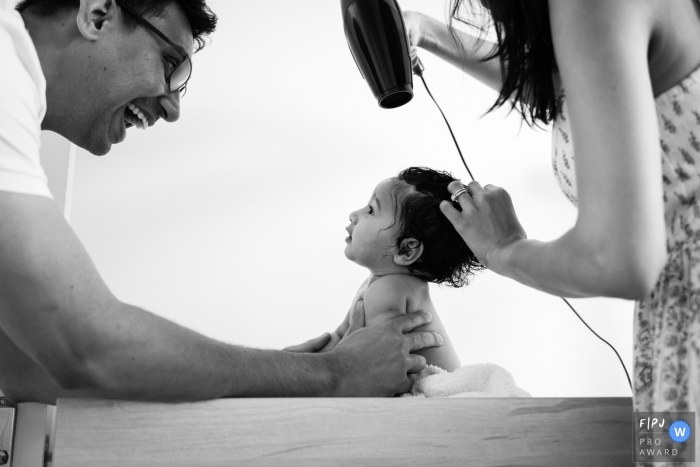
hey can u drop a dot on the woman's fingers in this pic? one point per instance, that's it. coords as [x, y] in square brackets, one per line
[459, 192]
[452, 214]
[475, 189]
[487, 220]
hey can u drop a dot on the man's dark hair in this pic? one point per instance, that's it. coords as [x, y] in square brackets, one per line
[446, 258]
[202, 20]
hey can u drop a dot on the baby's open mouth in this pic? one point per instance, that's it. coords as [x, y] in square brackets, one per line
[134, 117]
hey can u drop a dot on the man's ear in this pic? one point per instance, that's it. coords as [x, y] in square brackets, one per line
[93, 15]
[410, 250]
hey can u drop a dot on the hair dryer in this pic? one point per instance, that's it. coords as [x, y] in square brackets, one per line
[379, 44]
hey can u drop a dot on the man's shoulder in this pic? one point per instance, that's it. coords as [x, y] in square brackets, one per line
[18, 53]
[11, 27]
[23, 97]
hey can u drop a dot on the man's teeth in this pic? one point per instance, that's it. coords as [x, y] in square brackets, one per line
[143, 121]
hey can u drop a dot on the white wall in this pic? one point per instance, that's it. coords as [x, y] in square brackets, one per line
[232, 220]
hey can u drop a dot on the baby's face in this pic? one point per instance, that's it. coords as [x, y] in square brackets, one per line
[371, 243]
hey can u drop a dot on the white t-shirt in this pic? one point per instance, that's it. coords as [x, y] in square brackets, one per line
[22, 108]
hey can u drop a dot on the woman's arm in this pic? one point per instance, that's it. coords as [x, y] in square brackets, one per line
[434, 36]
[617, 246]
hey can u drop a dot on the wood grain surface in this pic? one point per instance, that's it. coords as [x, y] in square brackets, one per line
[346, 432]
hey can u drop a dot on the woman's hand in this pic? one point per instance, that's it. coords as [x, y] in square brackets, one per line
[416, 26]
[487, 223]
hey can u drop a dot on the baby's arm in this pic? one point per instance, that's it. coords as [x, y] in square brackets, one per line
[386, 298]
[338, 334]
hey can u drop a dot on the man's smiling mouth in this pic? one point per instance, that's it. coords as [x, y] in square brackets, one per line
[134, 117]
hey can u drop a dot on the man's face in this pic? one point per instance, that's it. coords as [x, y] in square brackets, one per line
[126, 69]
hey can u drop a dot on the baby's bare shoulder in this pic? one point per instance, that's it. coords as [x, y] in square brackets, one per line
[400, 283]
[393, 292]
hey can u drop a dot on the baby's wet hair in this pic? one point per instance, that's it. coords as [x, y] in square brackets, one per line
[446, 259]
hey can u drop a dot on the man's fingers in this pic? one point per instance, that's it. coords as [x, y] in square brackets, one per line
[410, 321]
[421, 340]
[310, 346]
[319, 342]
[416, 363]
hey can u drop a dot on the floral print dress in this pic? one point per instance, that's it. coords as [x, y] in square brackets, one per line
[667, 322]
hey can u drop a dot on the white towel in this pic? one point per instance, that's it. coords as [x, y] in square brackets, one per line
[480, 380]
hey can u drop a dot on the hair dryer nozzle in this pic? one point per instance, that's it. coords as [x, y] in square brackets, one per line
[378, 41]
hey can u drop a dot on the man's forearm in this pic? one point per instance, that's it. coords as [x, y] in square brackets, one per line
[160, 360]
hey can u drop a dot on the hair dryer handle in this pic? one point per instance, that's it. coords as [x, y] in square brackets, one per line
[418, 67]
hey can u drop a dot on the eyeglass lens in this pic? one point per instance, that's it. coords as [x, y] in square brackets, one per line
[180, 75]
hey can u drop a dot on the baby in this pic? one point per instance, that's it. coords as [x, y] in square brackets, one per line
[405, 241]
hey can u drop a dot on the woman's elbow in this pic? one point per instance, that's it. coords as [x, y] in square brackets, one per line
[633, 277]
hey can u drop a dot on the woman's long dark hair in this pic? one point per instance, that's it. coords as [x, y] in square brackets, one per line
[525, 52]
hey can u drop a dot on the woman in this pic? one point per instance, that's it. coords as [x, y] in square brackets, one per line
[620, 80]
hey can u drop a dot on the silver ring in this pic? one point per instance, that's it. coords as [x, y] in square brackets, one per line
[459, 192]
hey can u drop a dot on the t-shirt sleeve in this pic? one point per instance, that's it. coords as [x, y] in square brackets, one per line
[22, 105]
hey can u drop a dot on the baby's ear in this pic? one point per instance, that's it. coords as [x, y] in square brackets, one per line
[410, 250]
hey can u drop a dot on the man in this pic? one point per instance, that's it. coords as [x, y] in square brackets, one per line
[90, 69]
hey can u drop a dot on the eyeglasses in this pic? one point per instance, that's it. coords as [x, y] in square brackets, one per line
[178, 77]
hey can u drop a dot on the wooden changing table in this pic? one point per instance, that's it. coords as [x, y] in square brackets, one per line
[321, 432]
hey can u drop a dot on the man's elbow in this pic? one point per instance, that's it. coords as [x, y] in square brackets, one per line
[77, 362]
[72, 372]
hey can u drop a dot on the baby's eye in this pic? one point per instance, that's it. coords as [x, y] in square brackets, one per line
[371, 210]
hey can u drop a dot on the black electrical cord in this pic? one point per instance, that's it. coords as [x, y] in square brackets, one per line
[418, 71]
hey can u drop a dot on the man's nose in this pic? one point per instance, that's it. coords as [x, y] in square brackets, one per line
[170, 106]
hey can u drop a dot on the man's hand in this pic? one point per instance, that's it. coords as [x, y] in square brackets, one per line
[310, 346]
[375, 361]
[354, 320]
